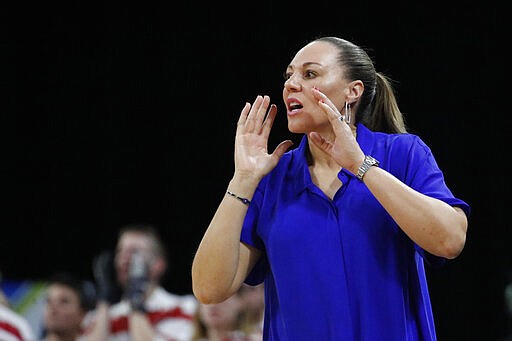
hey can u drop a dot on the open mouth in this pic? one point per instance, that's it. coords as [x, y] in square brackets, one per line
[294, 105]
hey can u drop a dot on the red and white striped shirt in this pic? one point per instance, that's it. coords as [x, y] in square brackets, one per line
[171, 316]
[14, 327]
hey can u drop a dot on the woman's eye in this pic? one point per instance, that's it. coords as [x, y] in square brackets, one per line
[309, 74]
[287, 75]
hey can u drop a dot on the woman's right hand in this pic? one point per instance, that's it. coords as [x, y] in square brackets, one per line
[252, 160]
[222, 262]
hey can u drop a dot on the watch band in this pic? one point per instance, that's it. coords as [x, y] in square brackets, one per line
[365, 166]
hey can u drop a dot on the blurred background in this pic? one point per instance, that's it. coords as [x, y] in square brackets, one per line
[116, 113]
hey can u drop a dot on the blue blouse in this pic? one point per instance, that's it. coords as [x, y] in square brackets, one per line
[343, 269]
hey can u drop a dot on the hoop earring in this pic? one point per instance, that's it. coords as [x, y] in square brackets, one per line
[348, 113]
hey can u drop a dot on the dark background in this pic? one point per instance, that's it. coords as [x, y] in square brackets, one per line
[117, 113]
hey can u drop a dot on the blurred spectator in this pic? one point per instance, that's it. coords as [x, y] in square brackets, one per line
[146, 310]
[223, 321]
[254, 304]
[68, 299]
[13, 326]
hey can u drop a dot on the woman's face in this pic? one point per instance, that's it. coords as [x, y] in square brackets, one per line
[63, 312]
[253, 296]
[221, 316]
[315, 65]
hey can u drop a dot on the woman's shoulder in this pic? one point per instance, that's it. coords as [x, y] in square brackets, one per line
[398, 142]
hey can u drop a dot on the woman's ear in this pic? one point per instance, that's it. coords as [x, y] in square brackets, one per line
[355, 91]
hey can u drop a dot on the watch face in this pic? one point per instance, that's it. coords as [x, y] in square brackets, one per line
[372, 161]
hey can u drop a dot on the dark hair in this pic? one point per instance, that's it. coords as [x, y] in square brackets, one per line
[84, 289]
[378, 108]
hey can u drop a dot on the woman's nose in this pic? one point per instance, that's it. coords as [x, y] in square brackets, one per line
[292, 84]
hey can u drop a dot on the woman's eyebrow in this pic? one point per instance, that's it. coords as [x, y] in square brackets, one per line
[305, 64]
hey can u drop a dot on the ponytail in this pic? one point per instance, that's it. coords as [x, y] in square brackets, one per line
[385, 115]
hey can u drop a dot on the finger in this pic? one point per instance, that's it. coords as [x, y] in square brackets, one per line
[321, 142]
[329, 108]
[262, 111]
[333, 115]
[319, 95]
[269, 120]
[244, 113]
[250, 122]
[335, 118]
[281, 149]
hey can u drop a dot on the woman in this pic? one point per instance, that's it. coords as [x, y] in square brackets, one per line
[222, 321]
[338, 229]
[254, 309]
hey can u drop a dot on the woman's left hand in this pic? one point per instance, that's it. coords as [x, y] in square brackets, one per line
[344, 149]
